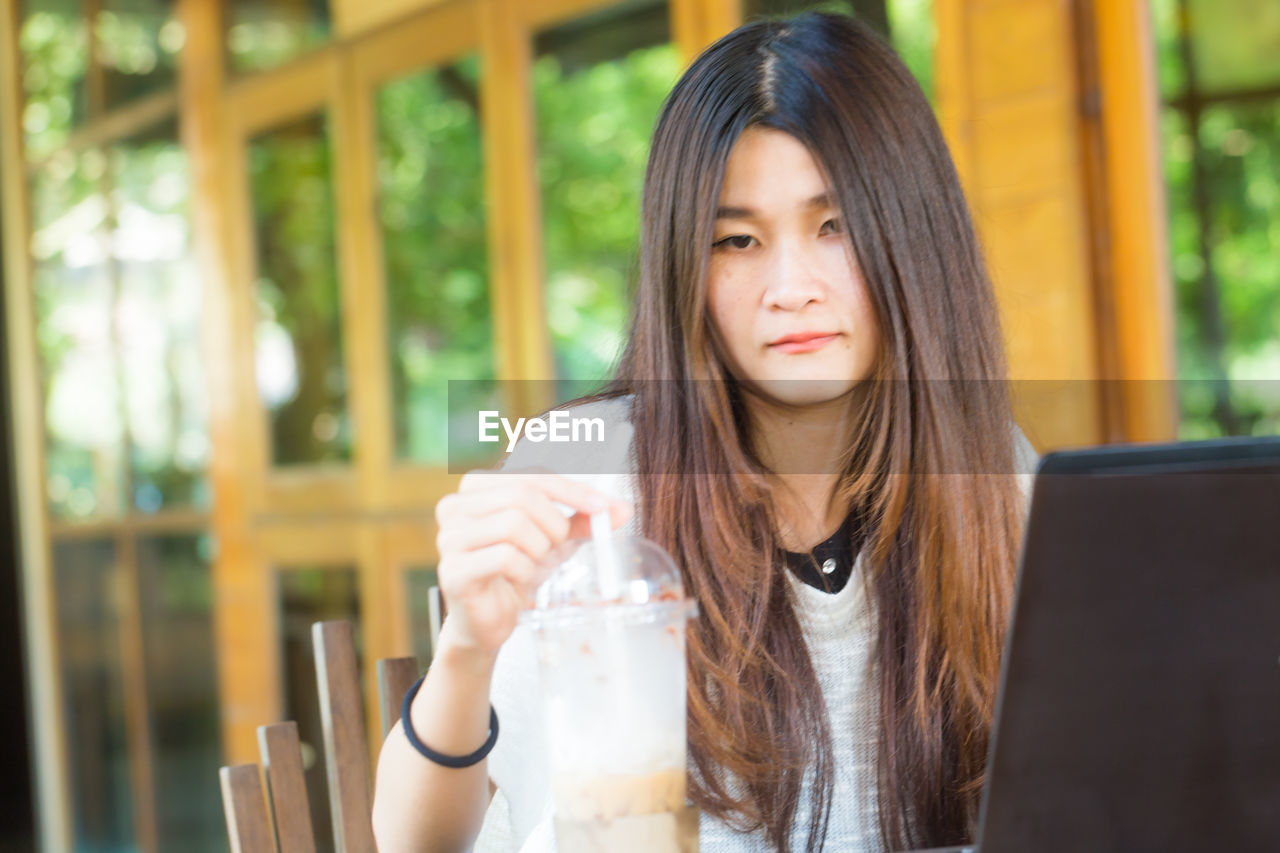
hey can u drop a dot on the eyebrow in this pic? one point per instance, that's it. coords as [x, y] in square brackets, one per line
[819, 200]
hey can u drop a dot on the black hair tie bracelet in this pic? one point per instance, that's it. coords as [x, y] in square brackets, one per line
[439, 758]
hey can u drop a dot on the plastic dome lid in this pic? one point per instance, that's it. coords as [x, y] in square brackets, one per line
[649, 584]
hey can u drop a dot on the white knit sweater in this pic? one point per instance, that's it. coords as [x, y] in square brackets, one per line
[838, 628]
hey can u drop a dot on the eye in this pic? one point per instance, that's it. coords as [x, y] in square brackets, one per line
[736, 241]
[837, 226]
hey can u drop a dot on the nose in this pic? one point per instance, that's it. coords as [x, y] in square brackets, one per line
[795, 280]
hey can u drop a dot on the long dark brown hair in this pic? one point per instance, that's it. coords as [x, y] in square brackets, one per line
[940, 548]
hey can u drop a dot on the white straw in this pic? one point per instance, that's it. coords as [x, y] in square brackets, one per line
[606, 558]
[610, 576]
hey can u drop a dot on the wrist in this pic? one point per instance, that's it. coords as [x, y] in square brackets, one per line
[460, 655]
[450, 711]
[446, 760]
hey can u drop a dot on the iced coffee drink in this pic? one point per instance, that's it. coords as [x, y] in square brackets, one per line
[612, 664]
[604, 797]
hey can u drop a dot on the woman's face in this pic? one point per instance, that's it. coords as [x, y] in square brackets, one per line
[786, 297]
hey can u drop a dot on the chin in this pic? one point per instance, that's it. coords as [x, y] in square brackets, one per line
[803, 390]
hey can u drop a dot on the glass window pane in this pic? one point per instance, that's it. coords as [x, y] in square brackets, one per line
[1223, 196]
[1187, 266]
[74, 306]
[298, 339]
[1234, 44]
[431, 193]
[54, 40]
[418, 583]
[913, 33]
[598, 85]
[1240, 150]
[159, 322]
[93, 694]
[1164, 24]
[265, 33]
[307, 596]
[137, 43]
[182, 690]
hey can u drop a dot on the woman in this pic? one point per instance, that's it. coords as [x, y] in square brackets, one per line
[811, 350]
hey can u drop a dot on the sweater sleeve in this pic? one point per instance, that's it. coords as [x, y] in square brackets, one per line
[518, 762]
[495, 832]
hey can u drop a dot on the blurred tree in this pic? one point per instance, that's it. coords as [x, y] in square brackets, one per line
[264, 34]
[594, 127]
[298, 341]
[431, 196]
[1222, 169]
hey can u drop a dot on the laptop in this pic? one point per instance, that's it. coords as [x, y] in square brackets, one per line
[1139, 698]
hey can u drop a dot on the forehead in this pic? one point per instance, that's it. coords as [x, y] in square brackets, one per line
[768, 166]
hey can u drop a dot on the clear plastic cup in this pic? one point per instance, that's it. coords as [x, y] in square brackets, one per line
[613, 682]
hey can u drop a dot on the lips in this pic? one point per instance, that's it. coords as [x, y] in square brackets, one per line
[803, 341]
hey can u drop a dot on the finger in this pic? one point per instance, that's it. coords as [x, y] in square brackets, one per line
[620, 512]
[513, 525]
[463, 507]
[461, 574]
[574, 494]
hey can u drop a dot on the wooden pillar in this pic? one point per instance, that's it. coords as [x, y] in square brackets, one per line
[364, 310]
[1010, 104]
[236, 574]
[514, 206]
[1142, 297]
[696, 24]
[49, 750]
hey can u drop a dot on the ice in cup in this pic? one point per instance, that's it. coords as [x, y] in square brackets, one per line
[612, 665]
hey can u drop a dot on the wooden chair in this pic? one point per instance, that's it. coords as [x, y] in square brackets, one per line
[260, 817]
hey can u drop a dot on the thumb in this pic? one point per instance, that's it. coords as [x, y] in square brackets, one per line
[620, 512]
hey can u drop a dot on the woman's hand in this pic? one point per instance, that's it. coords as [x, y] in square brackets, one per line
[493, 534]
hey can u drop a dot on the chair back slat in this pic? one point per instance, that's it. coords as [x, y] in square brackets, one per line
[395, 677]
[248, 825]
[436, 611]
[287, 786]
[346, 748]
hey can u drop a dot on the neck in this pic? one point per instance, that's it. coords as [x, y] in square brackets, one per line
[803, 445]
